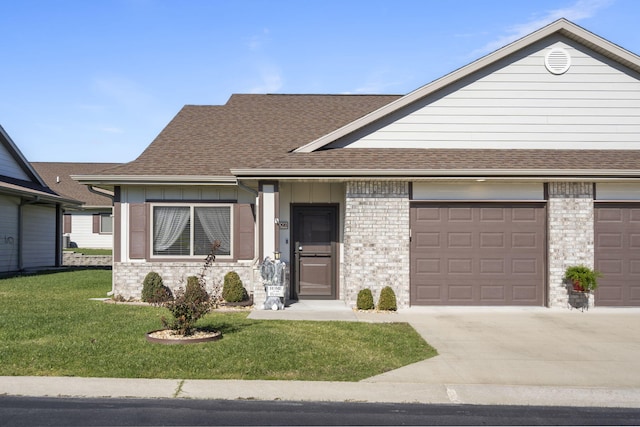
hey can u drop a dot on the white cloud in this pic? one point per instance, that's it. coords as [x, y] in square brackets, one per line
[270, 80]
[256, 42]
[579, 10]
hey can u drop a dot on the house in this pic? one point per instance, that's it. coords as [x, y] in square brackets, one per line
[479, 188]
[30, 214]
[91, 224]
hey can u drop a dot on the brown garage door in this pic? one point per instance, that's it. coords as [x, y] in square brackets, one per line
[477, 254]
[617, 254]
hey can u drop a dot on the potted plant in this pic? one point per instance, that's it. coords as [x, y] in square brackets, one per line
[583, 278]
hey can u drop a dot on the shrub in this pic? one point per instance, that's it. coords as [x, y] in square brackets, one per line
[232, 289]
[387, 301]
[153, 290]
[188, 307]
[365, 300]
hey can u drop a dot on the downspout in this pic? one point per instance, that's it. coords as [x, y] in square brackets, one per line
[247, 189]
[23, 203]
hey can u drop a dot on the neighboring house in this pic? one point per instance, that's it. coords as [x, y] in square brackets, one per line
[91, 225]
[479, 188]
[30, 214]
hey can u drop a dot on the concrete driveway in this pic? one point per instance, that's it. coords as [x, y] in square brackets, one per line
[524, 346]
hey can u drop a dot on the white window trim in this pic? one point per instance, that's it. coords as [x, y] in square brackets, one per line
[191, 207]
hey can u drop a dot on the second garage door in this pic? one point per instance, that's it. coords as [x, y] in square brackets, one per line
[617, 254]
[478, 254]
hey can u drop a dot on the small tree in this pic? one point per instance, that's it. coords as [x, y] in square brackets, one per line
[365, 300]
[190, 304]
[232, 289]
[154, 291]
[188, 307]
[387, 301]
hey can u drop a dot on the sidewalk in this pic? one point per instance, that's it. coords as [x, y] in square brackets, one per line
[508, 356]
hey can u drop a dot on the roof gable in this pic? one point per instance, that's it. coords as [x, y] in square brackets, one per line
[562, 30]
[13, 164]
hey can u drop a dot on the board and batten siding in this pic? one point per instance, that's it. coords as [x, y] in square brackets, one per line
[39, 236]
[517, 103]
[9, 243]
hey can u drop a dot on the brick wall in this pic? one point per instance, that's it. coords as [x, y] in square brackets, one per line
[129, 276]
[76, 259]
[376, 240]
[571, 236]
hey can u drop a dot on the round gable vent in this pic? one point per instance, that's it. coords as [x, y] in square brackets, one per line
[557, 61]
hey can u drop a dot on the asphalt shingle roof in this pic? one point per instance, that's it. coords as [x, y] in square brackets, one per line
[57, 177]
[247, 131]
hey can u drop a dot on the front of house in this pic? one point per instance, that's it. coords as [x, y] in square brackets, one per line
[479, 188]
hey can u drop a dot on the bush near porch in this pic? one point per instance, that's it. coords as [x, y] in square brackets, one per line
[50, 327]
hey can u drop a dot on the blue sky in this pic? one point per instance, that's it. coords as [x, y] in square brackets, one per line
[97, 80]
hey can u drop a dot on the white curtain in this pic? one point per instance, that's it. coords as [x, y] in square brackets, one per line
[216, 224]
[168, 225]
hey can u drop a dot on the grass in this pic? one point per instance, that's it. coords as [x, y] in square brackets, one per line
[49, 327]
[90, 251]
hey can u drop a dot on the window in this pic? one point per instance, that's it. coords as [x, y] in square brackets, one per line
[191, 230]
[106, 224]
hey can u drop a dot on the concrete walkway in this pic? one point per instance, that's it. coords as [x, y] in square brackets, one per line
[515, 356]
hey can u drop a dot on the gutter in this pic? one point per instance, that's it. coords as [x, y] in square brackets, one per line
[154, 179]
[444, 174]
[101, 192]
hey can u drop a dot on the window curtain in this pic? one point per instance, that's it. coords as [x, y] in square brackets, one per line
[168, 225]
[216, 224]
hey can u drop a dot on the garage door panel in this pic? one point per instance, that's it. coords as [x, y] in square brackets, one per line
[492, 214]
[462, 294]
[617, 254]
[485, 253]
[492, 266]
[459, 215]
[524, 240]
[526, 295]
[525, 266]
[492, 293]
[492, 240]
[460, 266]
[460, 240]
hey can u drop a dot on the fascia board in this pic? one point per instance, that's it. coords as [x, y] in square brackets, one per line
[431, 173]
[562, 26]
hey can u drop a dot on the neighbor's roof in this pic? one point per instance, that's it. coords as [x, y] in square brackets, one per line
[57, 176]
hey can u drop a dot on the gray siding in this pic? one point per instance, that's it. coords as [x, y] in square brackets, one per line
[9, 244]
[519, 104]
[39, 236]
[9, 166]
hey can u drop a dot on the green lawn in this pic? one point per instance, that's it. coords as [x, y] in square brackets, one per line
[48, 326]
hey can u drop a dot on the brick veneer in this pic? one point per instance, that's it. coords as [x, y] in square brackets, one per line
[376, 239]
[129, 276]
[570, 234]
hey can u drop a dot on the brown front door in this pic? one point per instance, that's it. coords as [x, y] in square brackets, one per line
[314, 239]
